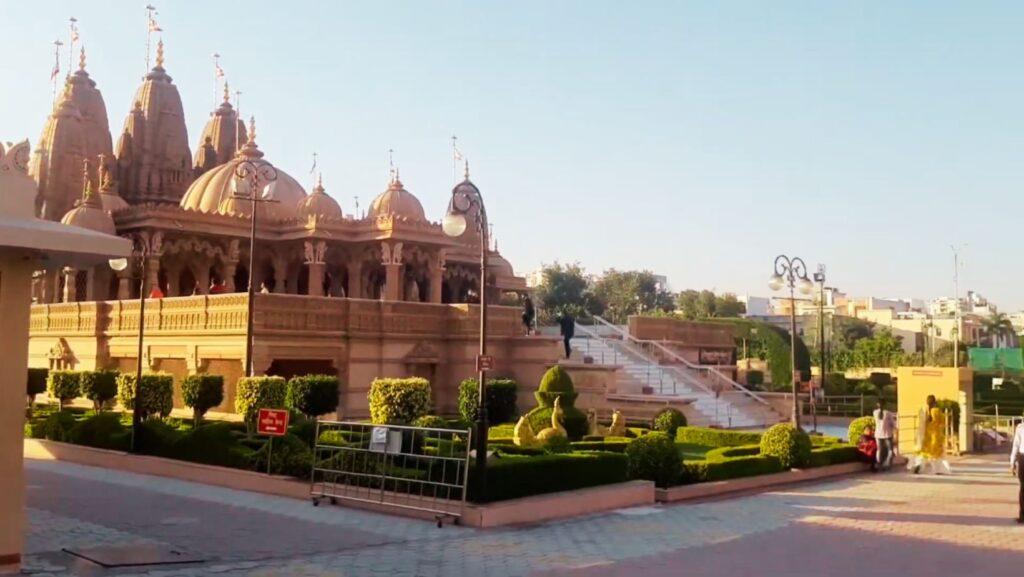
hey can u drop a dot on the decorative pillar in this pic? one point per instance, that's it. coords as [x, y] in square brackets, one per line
[173, 274]
[70, 276]
[436, 272]
[203, 278]
[391, 258]
[152, 273]
[124, 285]
[280, 275]
[231, 266]
[355, 279]
[315, 260]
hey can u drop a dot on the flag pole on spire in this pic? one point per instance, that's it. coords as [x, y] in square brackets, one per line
[218, 74]
[391, 164]
[74, 39]
[151, 27]
[456, 157]
[56, 66]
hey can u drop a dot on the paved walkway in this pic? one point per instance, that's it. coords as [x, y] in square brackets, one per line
[892, 524]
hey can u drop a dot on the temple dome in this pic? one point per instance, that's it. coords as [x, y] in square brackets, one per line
[319, 205]
[89, 213]
[396, 201]
[221, 136]
[213, 191]
[499, 265]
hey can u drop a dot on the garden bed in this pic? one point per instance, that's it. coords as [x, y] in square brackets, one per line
[755, 483]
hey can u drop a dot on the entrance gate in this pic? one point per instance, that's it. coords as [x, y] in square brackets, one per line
[423, 469]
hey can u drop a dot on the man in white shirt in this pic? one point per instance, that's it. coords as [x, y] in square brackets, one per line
[885, 434]
[1017, 467]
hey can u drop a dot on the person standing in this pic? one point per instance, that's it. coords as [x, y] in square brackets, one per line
[1017, 467]
[567, 325]
[885, 434]
[528, 315]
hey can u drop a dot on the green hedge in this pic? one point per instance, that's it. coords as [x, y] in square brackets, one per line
[57, 426]
[716, 437]
[36, 383]
[398, 401]
[156, 393]
[102, 430]
[610, 444]
[290, 455]
[514, 476]
[857, 427]
[668, 421]
[313, 395]
[789, 444]
[654, 457]
[202, 393]
[98, 386]
[833, 455]
[255, 393]
[64, 386]
[721, 468]
[501, 400]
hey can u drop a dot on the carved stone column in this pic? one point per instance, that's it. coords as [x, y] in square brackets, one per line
[231, 266]
[280, 275]
[70, 276]
[124, 285]
[203, 279]
[392, 261]
[355, 279]
[152, 273]
[314, 258]
[436, 272]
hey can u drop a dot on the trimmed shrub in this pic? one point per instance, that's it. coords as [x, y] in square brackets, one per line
[953, 408]
[556, 383]
[611, 444]
[833, 454]
[513, 476]
[289, 456]
[213, 444]
[857, 427]
[157, 437]
[36, 383]
[501, 400]
[431, 422]
[57, 426]
[716, 437]
[99, 387]
[575, 421]
[255, 393]
[102, 430]
[835, 384]
[654, 457]
[724, 463]
[668, 421]
[755, 378]
[202, 393]
[63, 386]
[866, 388]
[313, 395]
[398, 401]
[156, 393]
[790, 445]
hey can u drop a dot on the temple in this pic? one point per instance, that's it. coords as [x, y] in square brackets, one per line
[381, 294]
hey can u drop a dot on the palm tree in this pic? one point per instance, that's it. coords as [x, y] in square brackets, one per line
[996, 327]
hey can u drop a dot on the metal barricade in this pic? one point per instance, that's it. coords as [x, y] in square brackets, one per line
[417, 468]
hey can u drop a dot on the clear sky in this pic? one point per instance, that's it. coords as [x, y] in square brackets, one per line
[695, 139]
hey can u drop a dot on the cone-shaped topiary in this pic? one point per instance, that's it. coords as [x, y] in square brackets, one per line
[556, 383]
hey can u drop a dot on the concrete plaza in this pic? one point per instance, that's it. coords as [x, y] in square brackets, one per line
[891, 524]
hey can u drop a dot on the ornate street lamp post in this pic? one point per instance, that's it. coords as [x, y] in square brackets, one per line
[464, 199]
[140, 255]
[819, 277]
[256, 176]
[792, 273]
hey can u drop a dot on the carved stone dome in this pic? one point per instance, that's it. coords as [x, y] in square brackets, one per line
[318, 204]
[396, 201]
[89, 213]
[214, 191]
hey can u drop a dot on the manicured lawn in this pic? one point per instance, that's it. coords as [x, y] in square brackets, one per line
[692, 452]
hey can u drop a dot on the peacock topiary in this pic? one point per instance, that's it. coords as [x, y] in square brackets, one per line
[557, 384]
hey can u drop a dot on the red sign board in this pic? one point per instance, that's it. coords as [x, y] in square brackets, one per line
[273, 422]
[484, 362]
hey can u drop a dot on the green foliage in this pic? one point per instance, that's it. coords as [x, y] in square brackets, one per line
[213, 444]
[202, 393]
[98, 386]
[398, 401]
[64, 386]
[730, 463]
[431, 422]
[514, 476]
[833, 454]
[716, 437]
[610, 444]
[790, 445]
[313, 395]
[556, 445]
[857, 427]
[58, 425]
[36, 383]
[696, 305]
[574, 421]
[156, 393]
[624, 293]
[501, 400]
[668, 421]
[881, 350]
[866, 388]
[880, 379]
[564, 289]
[770, 343]
[102, 430]
[289, 456]
[255, 393]
[953, 408]
[755, 378]
[654, 457]
[836, 384]
[556, 380]
[304, 429]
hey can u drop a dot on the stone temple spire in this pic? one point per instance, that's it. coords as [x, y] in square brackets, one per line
[154, 163]
[221, 135]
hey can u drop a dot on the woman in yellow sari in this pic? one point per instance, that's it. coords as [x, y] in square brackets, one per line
[933, 441]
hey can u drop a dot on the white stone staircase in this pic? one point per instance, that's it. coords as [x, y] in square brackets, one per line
[643, 377]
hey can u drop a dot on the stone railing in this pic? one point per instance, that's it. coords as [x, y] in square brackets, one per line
[274, 314]
[687, 333]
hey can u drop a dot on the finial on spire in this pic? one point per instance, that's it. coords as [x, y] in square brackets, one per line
[252, 130]
[319, 182]
[87, 191]
[466, 168]
[81, 59]
[160, 53]
[227, 93]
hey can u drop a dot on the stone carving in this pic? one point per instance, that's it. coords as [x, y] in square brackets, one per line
[233, 252]
[60, 354]
[314, 252]
[396, 254]
[15, 158]
[390, 254]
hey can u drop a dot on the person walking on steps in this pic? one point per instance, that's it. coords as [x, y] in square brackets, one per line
[568, 328]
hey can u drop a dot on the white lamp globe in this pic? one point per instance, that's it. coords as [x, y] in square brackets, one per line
[775, 282]
[806, 286]
[118, 264]
[453, 224]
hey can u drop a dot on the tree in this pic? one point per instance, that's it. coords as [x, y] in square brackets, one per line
[695, 305]
[882, 350]
[624, 293]
[563, 289]
[996, 327]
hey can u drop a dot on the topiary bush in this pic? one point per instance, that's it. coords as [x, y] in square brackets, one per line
[653, 457]
[556, 383]
[156, 393]
[835, 384]
[57, 426]
[290, 456]
[668, 421]
[63, 386]
[398, 401]
[202, 393]
[313, 395]
[213, 444]
[730, 463]
[709, 437]
[857, 427]
[501, 400]
[790, 445]
[431, 422]
[574, 421]
[519, 475]
[102, 430]
[100, 387]
[36, 384]
[255, 393]
[833, 454]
